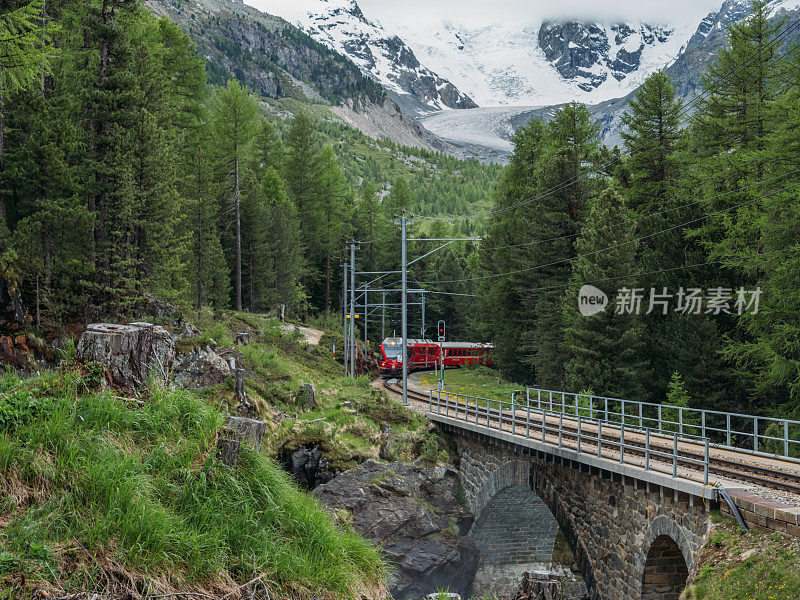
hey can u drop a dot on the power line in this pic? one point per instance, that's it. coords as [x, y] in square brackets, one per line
[652, 215]
[667, 270]
[633, 241]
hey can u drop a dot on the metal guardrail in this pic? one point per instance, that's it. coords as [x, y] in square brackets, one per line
[549, 426]
[766, 436]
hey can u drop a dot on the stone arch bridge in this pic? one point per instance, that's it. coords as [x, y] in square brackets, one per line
[631, 539]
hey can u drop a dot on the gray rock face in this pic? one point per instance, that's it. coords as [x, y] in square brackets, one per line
[308, 467]
[413, 512]
[575, 48]
[132, 353]
[200, 368]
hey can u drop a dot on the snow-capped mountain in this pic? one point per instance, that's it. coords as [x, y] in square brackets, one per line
[340, 25]
[545, 63]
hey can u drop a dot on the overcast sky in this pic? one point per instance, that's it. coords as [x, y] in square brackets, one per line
[479, 12]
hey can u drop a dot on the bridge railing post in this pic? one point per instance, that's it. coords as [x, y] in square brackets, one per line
[641, 422]
[599, 438]
[513, 415]
[622, 442]
[647, 449]
[560, 429]
[551, 401]
[755, 434]
[728, 428]
[675, 455]
[786, 438]
[544, 425]
[703, 422]
[660, 420]
[706, 463]
[430, 400]
[579, 433]
[528, 421]
[500, 422]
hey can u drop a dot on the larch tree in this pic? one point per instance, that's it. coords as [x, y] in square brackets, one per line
[235, 121]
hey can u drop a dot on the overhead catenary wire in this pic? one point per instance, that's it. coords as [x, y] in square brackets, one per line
[621, 244]
[652, 215]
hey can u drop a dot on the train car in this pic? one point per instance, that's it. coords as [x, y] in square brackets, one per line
[427, 354]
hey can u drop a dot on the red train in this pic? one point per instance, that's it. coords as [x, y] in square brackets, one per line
[424, 354]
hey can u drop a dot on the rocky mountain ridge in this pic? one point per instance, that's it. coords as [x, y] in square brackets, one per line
[342, 26]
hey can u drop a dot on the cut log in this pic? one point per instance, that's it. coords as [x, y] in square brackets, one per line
[132, 353]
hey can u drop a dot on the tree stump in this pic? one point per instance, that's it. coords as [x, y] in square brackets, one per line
[539, 585]
[235, 432]
[306, 396]
[242, 338]
[131, 353]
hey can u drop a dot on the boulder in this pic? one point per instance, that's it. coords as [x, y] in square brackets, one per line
[412, 511]
[131, 353]
[200, 368]
[187, 330]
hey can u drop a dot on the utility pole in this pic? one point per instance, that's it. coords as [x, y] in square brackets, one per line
[352, 309]
[404, 325]
[383, 316]
[346, 321]
[366, 316]
[423, 315]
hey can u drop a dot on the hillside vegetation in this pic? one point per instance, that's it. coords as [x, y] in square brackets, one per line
[100, 492]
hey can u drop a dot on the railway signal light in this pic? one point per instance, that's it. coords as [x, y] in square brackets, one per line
[441, 331]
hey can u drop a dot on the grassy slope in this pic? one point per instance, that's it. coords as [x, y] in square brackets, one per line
[99, 491]
[758, 565]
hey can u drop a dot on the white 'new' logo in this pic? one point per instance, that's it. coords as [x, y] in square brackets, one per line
[591, 300]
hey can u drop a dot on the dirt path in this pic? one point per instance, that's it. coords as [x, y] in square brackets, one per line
[310, 335]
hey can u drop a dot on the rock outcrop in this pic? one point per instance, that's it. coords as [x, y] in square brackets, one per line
[308, 467]
[131, 353]
[200, 368]
[414, 513]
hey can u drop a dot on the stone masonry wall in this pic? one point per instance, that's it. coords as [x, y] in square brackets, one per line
[516, 533]
[610, 524]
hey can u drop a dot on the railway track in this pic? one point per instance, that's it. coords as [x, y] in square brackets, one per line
[787, 481]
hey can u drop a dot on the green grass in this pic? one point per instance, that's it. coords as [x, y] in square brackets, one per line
[772, 572]
[479, 381]
[97, 480]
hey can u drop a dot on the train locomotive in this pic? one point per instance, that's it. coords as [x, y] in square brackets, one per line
[425, 354]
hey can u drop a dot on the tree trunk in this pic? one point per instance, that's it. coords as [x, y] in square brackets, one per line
[238, 233]
[327, 279]
[252, 279]
[2, 156]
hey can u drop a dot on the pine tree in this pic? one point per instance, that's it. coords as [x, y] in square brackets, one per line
[235, 118]
[604, 350]
[400, 198]
[508, 247]
[25, 55]
[568, 179]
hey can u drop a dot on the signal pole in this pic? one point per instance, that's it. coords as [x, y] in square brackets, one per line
[404, 325]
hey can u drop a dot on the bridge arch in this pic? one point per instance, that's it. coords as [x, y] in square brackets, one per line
[515, 530]
[666, 561]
